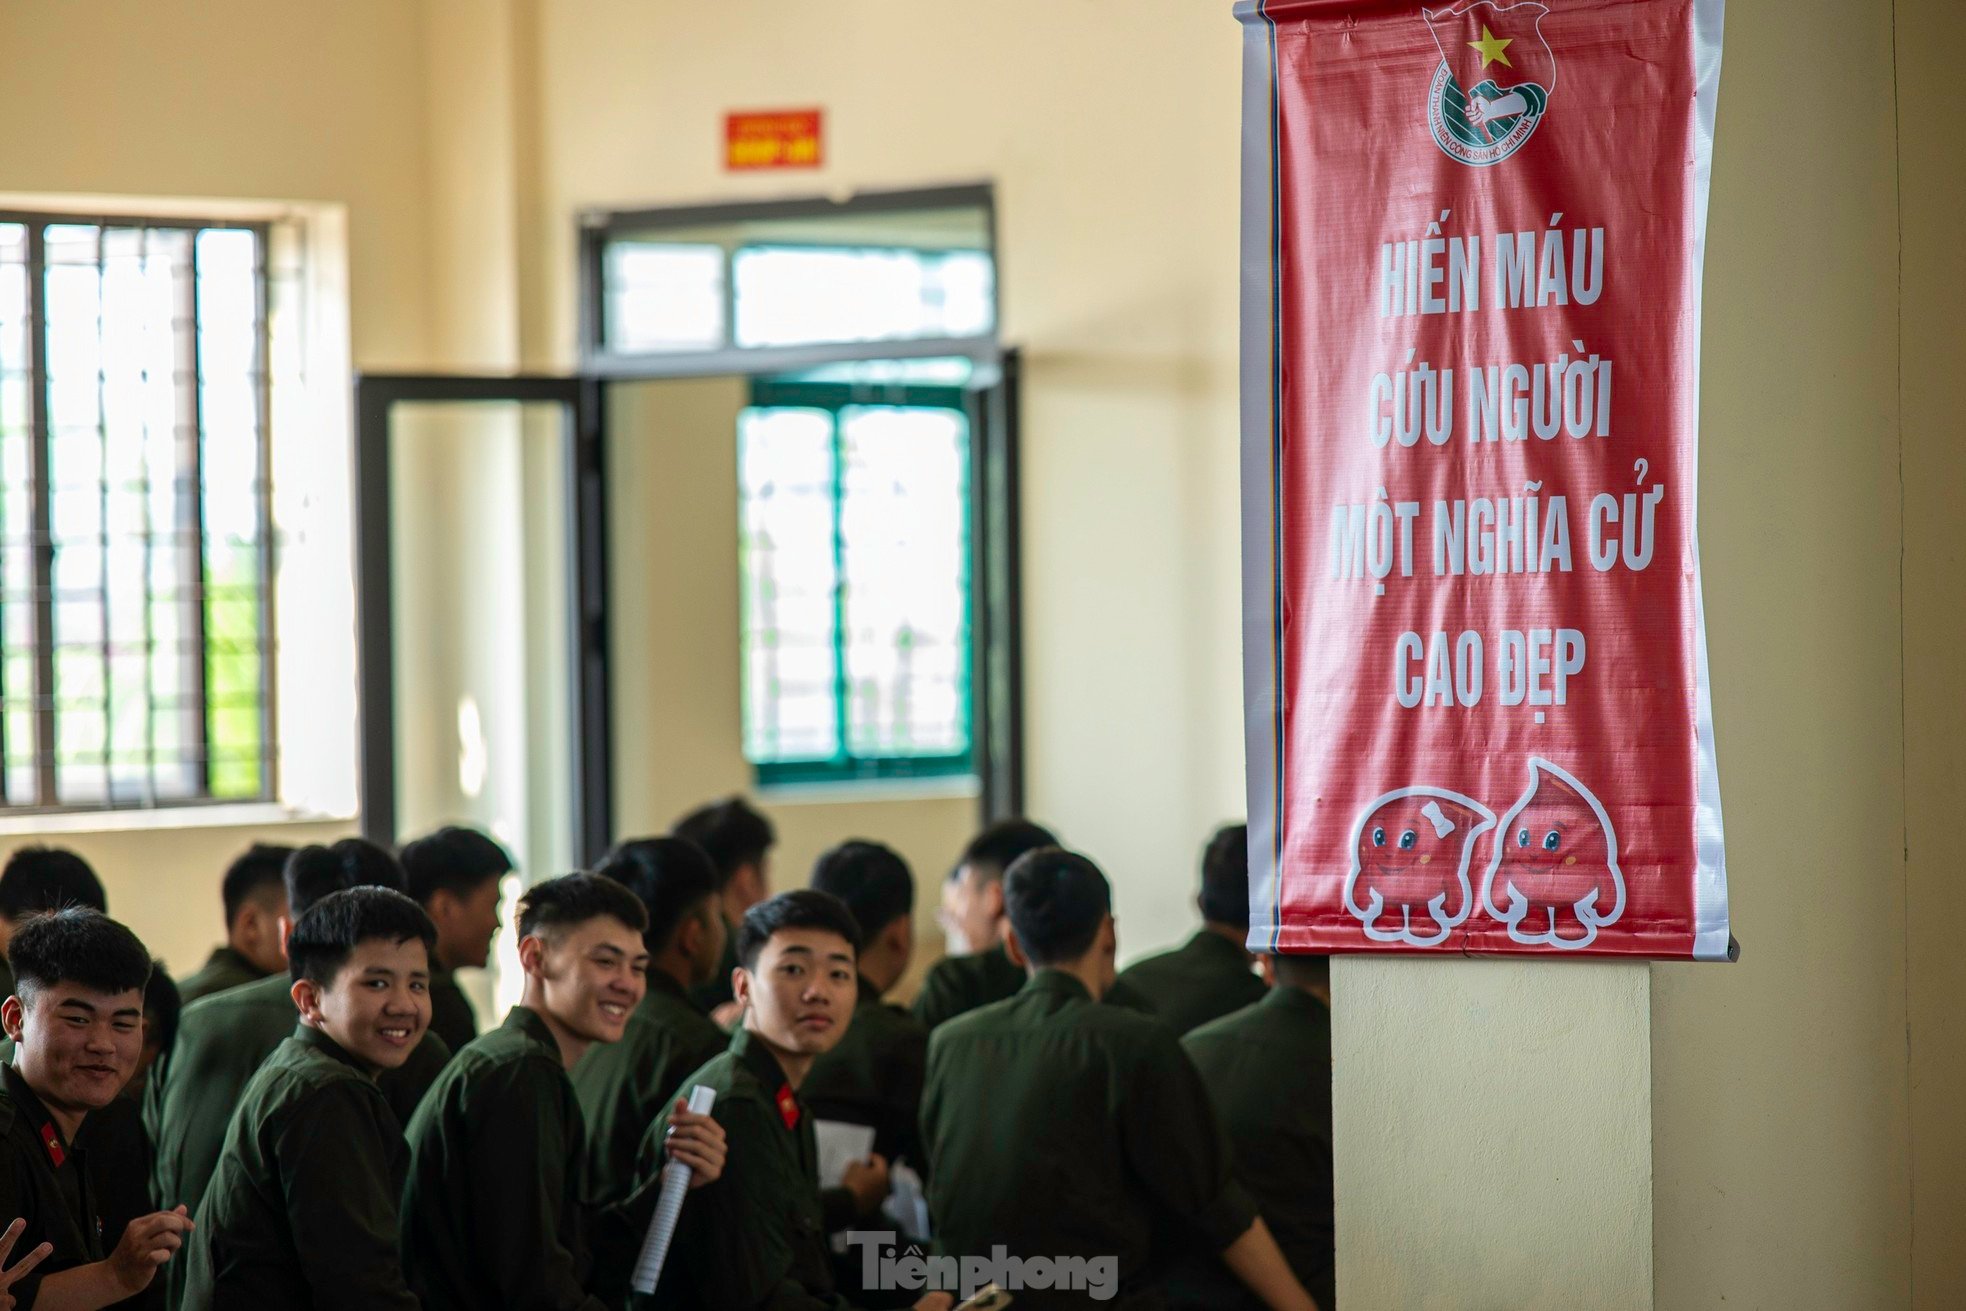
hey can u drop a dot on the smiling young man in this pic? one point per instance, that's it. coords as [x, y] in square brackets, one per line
[625, 1086]
[455, 874]
[76, 1018]
[302, 1209]
[223, 1039]
[494, 1212]
[757, 1237]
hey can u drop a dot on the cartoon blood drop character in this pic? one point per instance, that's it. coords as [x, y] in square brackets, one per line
[1410, 857]
[1554, 879]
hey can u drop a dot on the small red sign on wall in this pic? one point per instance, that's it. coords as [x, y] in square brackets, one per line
[773, 138]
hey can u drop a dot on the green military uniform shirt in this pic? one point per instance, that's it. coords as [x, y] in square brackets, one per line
[223, 969]
[626, 1086]
[120, 1167]
[44, 1180]
[221, 1042]
[1203, 979]
[1061, 1128]
[873, 1076]
[301, 1212]
[708, 996]
[956, 985]
[1268, 1072]
[493, 1213]
[755, 1240]
[451, 1015]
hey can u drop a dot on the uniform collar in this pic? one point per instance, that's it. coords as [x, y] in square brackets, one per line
[661, 981]
[1207, 942]
[229, 955]
[42, 1124]
[309, 1036]
[869, 994]
[755, 1056]
[1057, 983]
[529, 1022]
[1283, 997]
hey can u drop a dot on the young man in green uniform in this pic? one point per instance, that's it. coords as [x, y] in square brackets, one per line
[1268, 1072]
[455, 874]
[76, 1019]
[625, 1086]
[873, 1075]
[223, 1039]
[1210, 974]
[738, 841]
[37, 879]
[978, 970]
[757, 1238]
[301, 1211]
[1059, 1128]
[254, 893]
[494, 1214]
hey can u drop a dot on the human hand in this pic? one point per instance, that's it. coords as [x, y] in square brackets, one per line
[147, 1243]
[867, 1180]
[696, 1141]
[9, 1275]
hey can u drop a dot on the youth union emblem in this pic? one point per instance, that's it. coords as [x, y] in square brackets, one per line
[1494, 81]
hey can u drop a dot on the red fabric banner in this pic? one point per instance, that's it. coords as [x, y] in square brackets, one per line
[1475, 664]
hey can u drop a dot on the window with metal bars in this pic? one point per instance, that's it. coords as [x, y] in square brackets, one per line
[135, 541]
[855, 554]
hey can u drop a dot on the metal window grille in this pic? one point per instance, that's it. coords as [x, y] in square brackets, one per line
[135, 535]
[855, 557]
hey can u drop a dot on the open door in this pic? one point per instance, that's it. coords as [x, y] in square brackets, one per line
[481, 558]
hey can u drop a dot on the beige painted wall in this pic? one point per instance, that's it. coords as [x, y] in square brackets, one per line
[1781, 1137]
[230, 100]
[1930, 36]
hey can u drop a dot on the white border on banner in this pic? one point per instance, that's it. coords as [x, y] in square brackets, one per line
[1261, 333]
[1711, 939]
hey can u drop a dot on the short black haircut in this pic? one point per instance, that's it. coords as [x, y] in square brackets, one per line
[260, 866]
[1225, 877]
[669, 876]
[48, 878]
[998, 846]
[162, 1005]
[328, 932]
[1302, 971]
[801, 908]
[76, 945]
[1056, 900]
[314, 872]
[871, 880]
[454, 859]
[730, 832]
[573, 899]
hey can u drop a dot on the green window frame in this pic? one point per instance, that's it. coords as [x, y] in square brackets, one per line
[845, 764]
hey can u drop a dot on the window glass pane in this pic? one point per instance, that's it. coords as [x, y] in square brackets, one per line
[155, 384]
[788, 573]
[793, 295]
[904, 547]
[663, 296]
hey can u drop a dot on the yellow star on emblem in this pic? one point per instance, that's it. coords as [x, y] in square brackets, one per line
[1493, 49]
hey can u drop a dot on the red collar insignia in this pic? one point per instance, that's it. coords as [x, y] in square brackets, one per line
[788, 1106]
[53, 1140]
